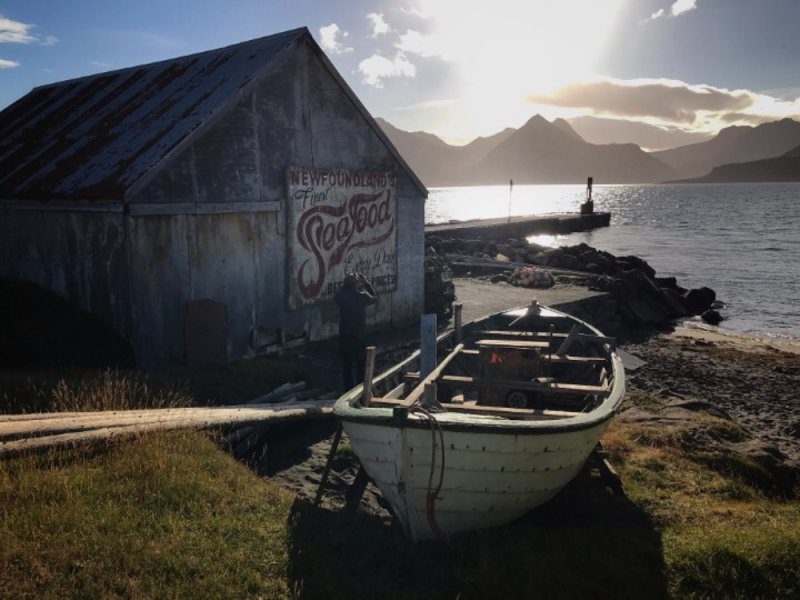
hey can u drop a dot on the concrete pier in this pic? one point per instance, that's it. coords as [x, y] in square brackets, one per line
[520, 226]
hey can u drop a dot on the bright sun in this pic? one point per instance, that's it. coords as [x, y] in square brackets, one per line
[506, 49]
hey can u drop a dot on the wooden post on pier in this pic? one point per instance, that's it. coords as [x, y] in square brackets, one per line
[587, 208]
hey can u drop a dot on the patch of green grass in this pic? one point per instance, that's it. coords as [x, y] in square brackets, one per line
[646, 401]
[720, 429]
[235, 382]
[161, 516]
[87, 390]
[345, 449]
[723, 536]
[747, 561]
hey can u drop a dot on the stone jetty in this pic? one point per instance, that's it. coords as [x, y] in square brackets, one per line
[519, 226]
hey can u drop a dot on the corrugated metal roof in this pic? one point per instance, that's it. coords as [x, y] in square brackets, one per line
[93, 137]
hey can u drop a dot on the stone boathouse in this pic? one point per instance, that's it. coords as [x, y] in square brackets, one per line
[208, 206]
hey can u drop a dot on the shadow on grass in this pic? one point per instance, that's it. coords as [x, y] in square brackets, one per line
[586, 543]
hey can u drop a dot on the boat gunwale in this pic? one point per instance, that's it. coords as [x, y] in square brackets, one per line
[347, 410]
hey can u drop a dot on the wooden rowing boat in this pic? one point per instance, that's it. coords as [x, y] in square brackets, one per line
[509, 416]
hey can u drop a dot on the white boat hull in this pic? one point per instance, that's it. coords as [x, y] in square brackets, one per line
[490, 478]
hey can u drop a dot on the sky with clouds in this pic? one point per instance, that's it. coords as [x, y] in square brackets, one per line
[458, 68]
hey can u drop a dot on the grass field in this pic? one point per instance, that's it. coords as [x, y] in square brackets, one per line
[81, 389]
[164, 515]
[173, 515]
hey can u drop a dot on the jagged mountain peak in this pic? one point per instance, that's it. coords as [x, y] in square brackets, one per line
[564, 126]
[538, 152]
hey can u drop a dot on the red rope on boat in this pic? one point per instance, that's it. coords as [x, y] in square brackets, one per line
[433, 494]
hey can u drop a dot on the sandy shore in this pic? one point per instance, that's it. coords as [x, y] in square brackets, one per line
[756, 382]
[740, 341]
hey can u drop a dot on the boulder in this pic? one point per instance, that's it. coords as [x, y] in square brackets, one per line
[698, 300]
[473, 245]
[567, 261]
[544, 258]
[504, 249]
[646, 311]
[536, 248]
[674, 302]
[712, 317]
[667, 282]
[634, 262]
[594, 268]
[531, 257]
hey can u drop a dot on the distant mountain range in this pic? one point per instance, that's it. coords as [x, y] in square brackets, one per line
[733, 145]
[537, 152]
[598, 130]
[552, 152]
[780, 168]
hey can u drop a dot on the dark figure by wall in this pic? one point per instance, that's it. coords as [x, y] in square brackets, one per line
[353, 298]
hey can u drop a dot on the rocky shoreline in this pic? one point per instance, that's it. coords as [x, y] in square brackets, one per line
[642, 297]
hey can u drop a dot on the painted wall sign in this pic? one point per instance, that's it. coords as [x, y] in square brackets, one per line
[339, 221]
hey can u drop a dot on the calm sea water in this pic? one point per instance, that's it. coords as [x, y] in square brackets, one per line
[742, 240]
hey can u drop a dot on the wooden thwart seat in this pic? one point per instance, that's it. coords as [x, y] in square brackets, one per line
[557, 358]
[499, 411]
[545, 335]
[511, 344]
[465, 381]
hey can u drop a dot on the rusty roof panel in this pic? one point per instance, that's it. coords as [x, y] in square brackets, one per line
[93, 137]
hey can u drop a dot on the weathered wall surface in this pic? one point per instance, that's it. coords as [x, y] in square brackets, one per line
[78, 254]
[297, 116]
[160, 286]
